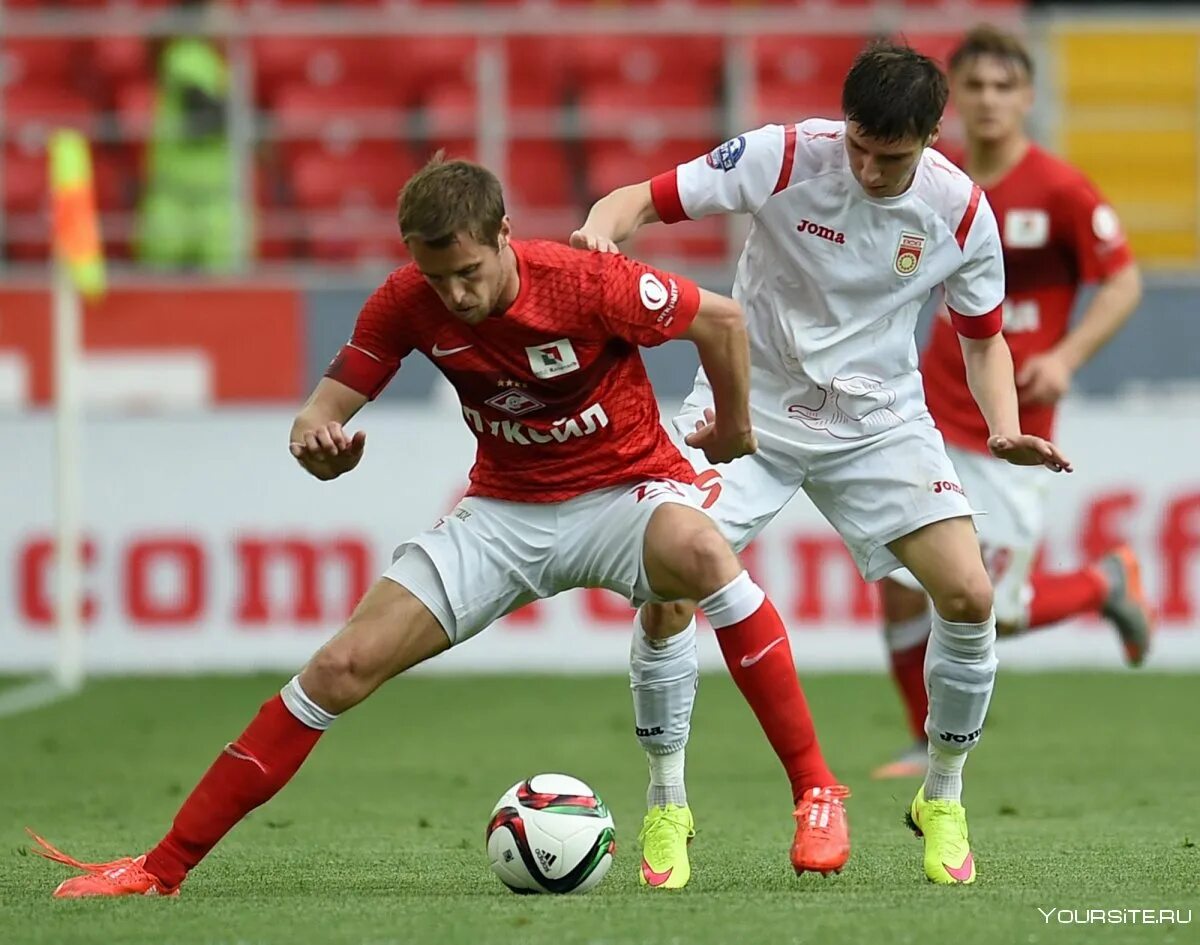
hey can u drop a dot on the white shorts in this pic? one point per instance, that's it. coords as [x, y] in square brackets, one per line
[489, 556]
[1014, 499]
[872, 492]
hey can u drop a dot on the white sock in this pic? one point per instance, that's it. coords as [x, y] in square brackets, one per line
[960, 673]
[663, 675]
[666, 779]
[303, 708]
[943, 779]
[733, 603]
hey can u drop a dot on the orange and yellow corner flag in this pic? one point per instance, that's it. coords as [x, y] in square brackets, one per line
[76, 229]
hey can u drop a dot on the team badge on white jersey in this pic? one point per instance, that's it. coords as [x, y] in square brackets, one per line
[908, 253]
[552, 358]
[725, 157]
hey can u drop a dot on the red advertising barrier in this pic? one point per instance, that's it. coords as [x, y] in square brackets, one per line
[251, 339]
[208, 548]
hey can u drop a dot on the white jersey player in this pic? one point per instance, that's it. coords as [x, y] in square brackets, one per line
[854, 224]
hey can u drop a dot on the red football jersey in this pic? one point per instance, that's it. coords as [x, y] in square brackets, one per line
[553, 388]
[1058, 234]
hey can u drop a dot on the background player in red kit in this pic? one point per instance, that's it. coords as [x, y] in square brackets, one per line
[1058, 234]
[575, 484]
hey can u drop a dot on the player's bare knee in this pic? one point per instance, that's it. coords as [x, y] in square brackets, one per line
[661, 621]
[685, 555]
[968, 601]
[710, 562]
[340, 675]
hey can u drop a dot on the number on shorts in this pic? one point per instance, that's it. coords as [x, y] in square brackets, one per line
[709, 482]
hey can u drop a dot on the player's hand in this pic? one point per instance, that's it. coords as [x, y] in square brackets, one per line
[581, 239]
[327, 451]
[720, 445]
[1027, 450]
[1043, 379]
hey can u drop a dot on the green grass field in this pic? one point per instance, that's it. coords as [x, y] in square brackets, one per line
[1084, 794]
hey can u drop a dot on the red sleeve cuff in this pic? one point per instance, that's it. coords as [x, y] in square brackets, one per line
[360, 371]
[664, 192]
[978, 326]
[685, 309]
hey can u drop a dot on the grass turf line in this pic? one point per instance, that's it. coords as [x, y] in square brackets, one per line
[1082, 795]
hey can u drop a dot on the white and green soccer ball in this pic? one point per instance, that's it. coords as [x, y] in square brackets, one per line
[550, 834]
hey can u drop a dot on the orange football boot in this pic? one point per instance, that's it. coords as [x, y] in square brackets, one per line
[126, 876]
[1126, 605]
[822, 842]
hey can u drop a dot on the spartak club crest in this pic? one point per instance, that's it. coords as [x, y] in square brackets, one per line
[908, 253]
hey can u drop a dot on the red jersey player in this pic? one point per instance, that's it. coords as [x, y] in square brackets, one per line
[575, 484]
[1058, 233]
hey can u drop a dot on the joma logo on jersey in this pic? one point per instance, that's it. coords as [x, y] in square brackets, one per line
[945, 485]
[825, 232]
[552, 358]
[908, 253]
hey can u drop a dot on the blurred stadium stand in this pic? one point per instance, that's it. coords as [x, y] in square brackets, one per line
[344, 99]
[335, 104]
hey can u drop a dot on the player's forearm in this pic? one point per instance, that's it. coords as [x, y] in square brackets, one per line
[330, 402]
[618, 215]
[1109, 310]
[719, 334]
[990, 377]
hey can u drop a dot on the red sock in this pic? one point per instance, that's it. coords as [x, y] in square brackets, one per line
[1059, 596]
[759, 658]
[908, 670]
[246, 774]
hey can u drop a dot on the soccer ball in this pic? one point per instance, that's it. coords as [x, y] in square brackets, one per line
[550, 834]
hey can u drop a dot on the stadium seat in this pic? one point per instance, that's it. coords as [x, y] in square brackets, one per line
[116, 169]
[45, 61]
[801, 76]
[268, 6]
[451, 110]
[122, 59]
[38, 109]
[432, 60]
[611, 108]
[133, 103]
[350, 110]
[367, 175]
[24, 180]
[647, 60]
[613, 163]
[322, 63]
[539, 175]
[355, 235]
[539, 70]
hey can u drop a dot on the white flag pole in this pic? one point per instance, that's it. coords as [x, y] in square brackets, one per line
[68, 343]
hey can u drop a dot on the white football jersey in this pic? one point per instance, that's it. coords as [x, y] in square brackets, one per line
[832, 280]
